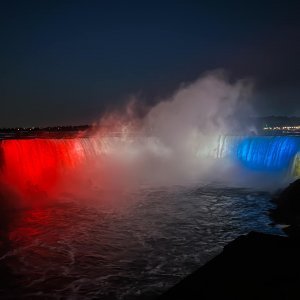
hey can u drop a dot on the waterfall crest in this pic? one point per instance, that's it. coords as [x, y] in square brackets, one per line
[29, 165]
[262, 153]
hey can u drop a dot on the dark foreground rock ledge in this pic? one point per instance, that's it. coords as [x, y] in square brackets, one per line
[287, 209]
[254, 266]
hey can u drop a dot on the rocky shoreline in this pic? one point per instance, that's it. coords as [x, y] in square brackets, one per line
[254, 266]
[287, 209]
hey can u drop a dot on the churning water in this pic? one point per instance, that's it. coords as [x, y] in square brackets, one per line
[127, 245]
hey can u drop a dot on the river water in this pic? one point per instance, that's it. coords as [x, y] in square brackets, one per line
[127, 245]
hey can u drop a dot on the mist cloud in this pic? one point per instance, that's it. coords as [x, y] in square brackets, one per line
[177, 139]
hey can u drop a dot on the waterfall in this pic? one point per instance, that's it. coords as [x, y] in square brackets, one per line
[30, 164]
[296, 166]
[262, 153]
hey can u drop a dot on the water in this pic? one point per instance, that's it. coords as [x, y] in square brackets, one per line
[130, 245]
[262, 153]
[101, 239]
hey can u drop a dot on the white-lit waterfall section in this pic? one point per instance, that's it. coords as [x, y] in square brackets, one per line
[262, 153]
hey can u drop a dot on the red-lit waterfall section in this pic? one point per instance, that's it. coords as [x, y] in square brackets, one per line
[39, 164]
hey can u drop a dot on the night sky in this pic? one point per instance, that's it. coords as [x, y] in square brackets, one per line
[66, 62]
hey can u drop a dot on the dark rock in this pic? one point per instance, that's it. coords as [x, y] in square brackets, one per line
[255, 266]
[288, 208]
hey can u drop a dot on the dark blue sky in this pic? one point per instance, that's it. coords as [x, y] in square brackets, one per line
[66, 62]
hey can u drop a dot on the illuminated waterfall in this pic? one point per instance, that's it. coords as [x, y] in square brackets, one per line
[30, 165]
[262, 153]
[41, 163]
[296, 166]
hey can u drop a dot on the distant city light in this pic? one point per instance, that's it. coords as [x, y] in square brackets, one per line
[282, 128]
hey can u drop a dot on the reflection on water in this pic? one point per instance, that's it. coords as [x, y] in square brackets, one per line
[132, 248]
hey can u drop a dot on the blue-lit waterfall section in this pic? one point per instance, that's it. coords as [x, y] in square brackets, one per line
[262, 153]
[268, 153]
